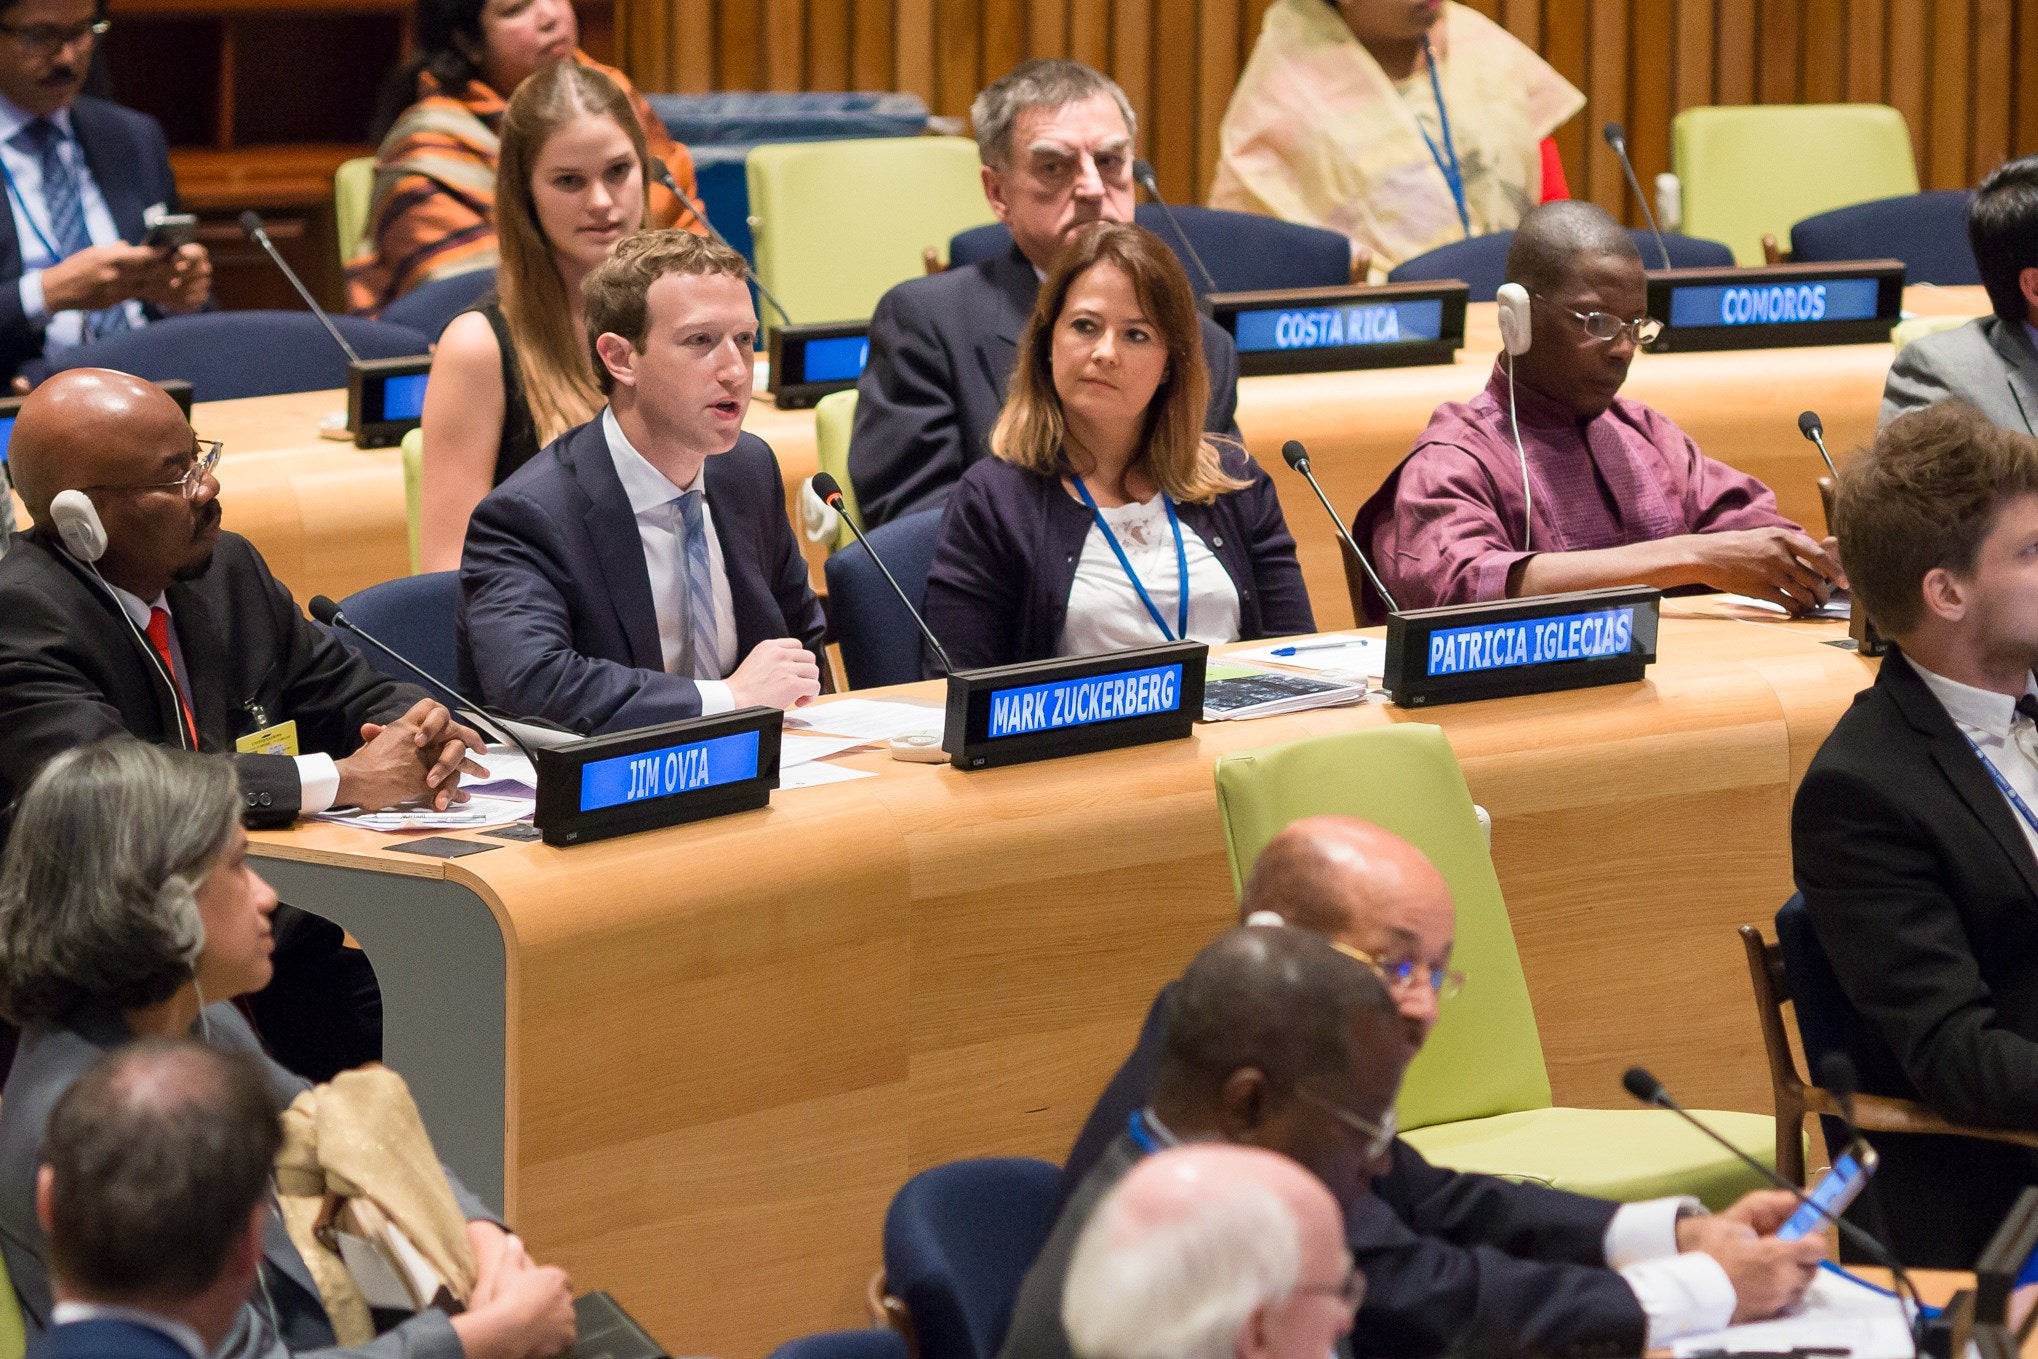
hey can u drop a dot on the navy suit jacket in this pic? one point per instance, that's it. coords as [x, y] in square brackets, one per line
[104, 1340]
[556, 619]
[942, 349]
[130, 162]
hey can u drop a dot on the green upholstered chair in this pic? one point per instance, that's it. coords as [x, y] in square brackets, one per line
[413, 499]
[13, 1335]
[834, 414]
[1753, 171]
[1918, 327]
[1478, 1096]
[353, 195]
[838, 223]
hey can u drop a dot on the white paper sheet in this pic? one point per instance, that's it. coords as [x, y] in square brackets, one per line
[1328, 655]
[1838, 608]
[797, 748]
[872, 719]
[814, 775]
[472, 814]
[1837, 1312]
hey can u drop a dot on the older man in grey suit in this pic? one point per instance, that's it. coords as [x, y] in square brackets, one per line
[1991, 362]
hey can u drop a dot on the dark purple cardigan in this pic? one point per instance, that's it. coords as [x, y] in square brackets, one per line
[1006, 558]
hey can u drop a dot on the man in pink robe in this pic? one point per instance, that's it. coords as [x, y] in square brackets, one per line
[1620, 494]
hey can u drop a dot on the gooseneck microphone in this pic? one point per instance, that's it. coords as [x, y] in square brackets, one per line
[1617, 138]
[1143, 172]
[251, 225]
[826, 487]
[1809, 426]
[325, 611]
[1650, 1091]
[663, 173]
[1298, 458]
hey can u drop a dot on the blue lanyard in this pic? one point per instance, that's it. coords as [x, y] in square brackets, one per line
[14, 192]
[1181, 631]
[1446, 159]
[1142, 1136]
[2023, 808]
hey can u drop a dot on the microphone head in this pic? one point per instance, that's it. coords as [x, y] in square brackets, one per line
[1616, 136]
[325, 611]
[1142, 170]
[1642, 1085]
[1296, 454]
[1837, 1075]
[251, 223]
[828, 489]
[1809, 426]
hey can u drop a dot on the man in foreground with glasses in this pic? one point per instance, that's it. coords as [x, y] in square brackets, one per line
[1549, 480]
[1473, 1264]
[84, 180]
[178, 635]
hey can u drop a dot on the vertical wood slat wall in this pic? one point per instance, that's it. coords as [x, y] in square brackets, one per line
[1963, 72]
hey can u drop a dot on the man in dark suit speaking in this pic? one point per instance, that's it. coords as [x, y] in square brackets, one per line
[1913, 832]
[82, 176]
[1056, 140]
[640, 569]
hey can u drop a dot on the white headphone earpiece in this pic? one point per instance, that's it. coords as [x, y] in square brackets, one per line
[1515, 330]
[77, 520]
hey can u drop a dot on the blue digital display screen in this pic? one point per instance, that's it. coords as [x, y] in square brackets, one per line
[1595, 635]
[1058, 704]
[403, 398]
[1282, 329]
[669, 770]
[1776, 304]
[838, 360]
[6, 436]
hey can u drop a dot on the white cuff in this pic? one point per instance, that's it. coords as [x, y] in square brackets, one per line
[1646, 1230]
[1683, 1295]
[34, 307]
[716, 697]
[318, 784]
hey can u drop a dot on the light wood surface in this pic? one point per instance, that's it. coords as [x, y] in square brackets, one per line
[730, 1043]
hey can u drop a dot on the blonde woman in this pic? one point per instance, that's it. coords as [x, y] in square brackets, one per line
[514, 373]
[1106, 518]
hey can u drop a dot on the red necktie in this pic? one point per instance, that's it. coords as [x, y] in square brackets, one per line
[159, 637]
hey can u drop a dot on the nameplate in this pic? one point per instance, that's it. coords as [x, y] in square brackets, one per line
[809, 362]
[1329, 330]
[1776, 307]
[386, 399]
[1521, 646]
[657, 776]
[179, 391]
[1011, 714]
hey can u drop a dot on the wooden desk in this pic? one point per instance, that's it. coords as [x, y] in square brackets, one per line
[723, 1047]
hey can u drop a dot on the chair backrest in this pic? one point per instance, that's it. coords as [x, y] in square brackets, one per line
[1770, 981]
[1485, 1056]
[1823, 1010]
[414, 614]
[834, 418]
[427, 309]
[228, 354]
[1927, 231]
[1244, 251]
[413, 449]
[1481, 261]
[1750, 171]
[838, 223]
[958, 1240]
[874, 1342]
[353, 196]
[880, 641]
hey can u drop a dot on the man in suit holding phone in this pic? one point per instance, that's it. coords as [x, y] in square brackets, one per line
[1914, 829]
[641, 569]
[84, 179]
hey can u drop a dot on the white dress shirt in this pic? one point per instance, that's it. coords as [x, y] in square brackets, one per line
[2007, 741]
[64, 1313]
[651, 494]
[318, 778]
[32, 224]
[1105, 613]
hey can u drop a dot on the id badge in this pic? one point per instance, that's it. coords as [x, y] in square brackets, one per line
[280, 739]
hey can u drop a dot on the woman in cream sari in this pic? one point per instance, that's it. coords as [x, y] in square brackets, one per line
[1403, 124]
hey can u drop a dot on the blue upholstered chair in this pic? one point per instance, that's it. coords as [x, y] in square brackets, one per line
[958, 1240]
[415, 615]
[872, 1343]
[1245, 252]
[228, 354]
[1927, 231]
[1482, 260]
[880, 641]
[428, 309]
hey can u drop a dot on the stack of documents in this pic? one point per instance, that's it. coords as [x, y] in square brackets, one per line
[1231, 692]
[1362, 656]
[1840, 1314]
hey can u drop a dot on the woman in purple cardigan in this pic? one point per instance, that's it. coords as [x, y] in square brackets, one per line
[1106, 518]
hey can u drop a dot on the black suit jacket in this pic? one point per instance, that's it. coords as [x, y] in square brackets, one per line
[73, 670]
[1924, 893]
[556, 619]
[131, 164]
[1454, 1263]
[942, 349]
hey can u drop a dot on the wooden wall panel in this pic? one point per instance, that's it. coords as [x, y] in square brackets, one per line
[1964, 73]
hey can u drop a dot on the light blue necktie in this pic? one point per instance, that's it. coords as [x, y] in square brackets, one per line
[703, 640]
[44, 140]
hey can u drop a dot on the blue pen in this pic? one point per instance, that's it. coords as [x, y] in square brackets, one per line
[1317, 646]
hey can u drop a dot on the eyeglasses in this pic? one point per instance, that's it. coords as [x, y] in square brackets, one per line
[1379, 1136]
[1603, 325]
[46, 40]
[1401, 976]
[1349, 1291]
[194, 476]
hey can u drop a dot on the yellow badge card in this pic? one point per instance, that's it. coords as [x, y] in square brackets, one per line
[280, 739]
